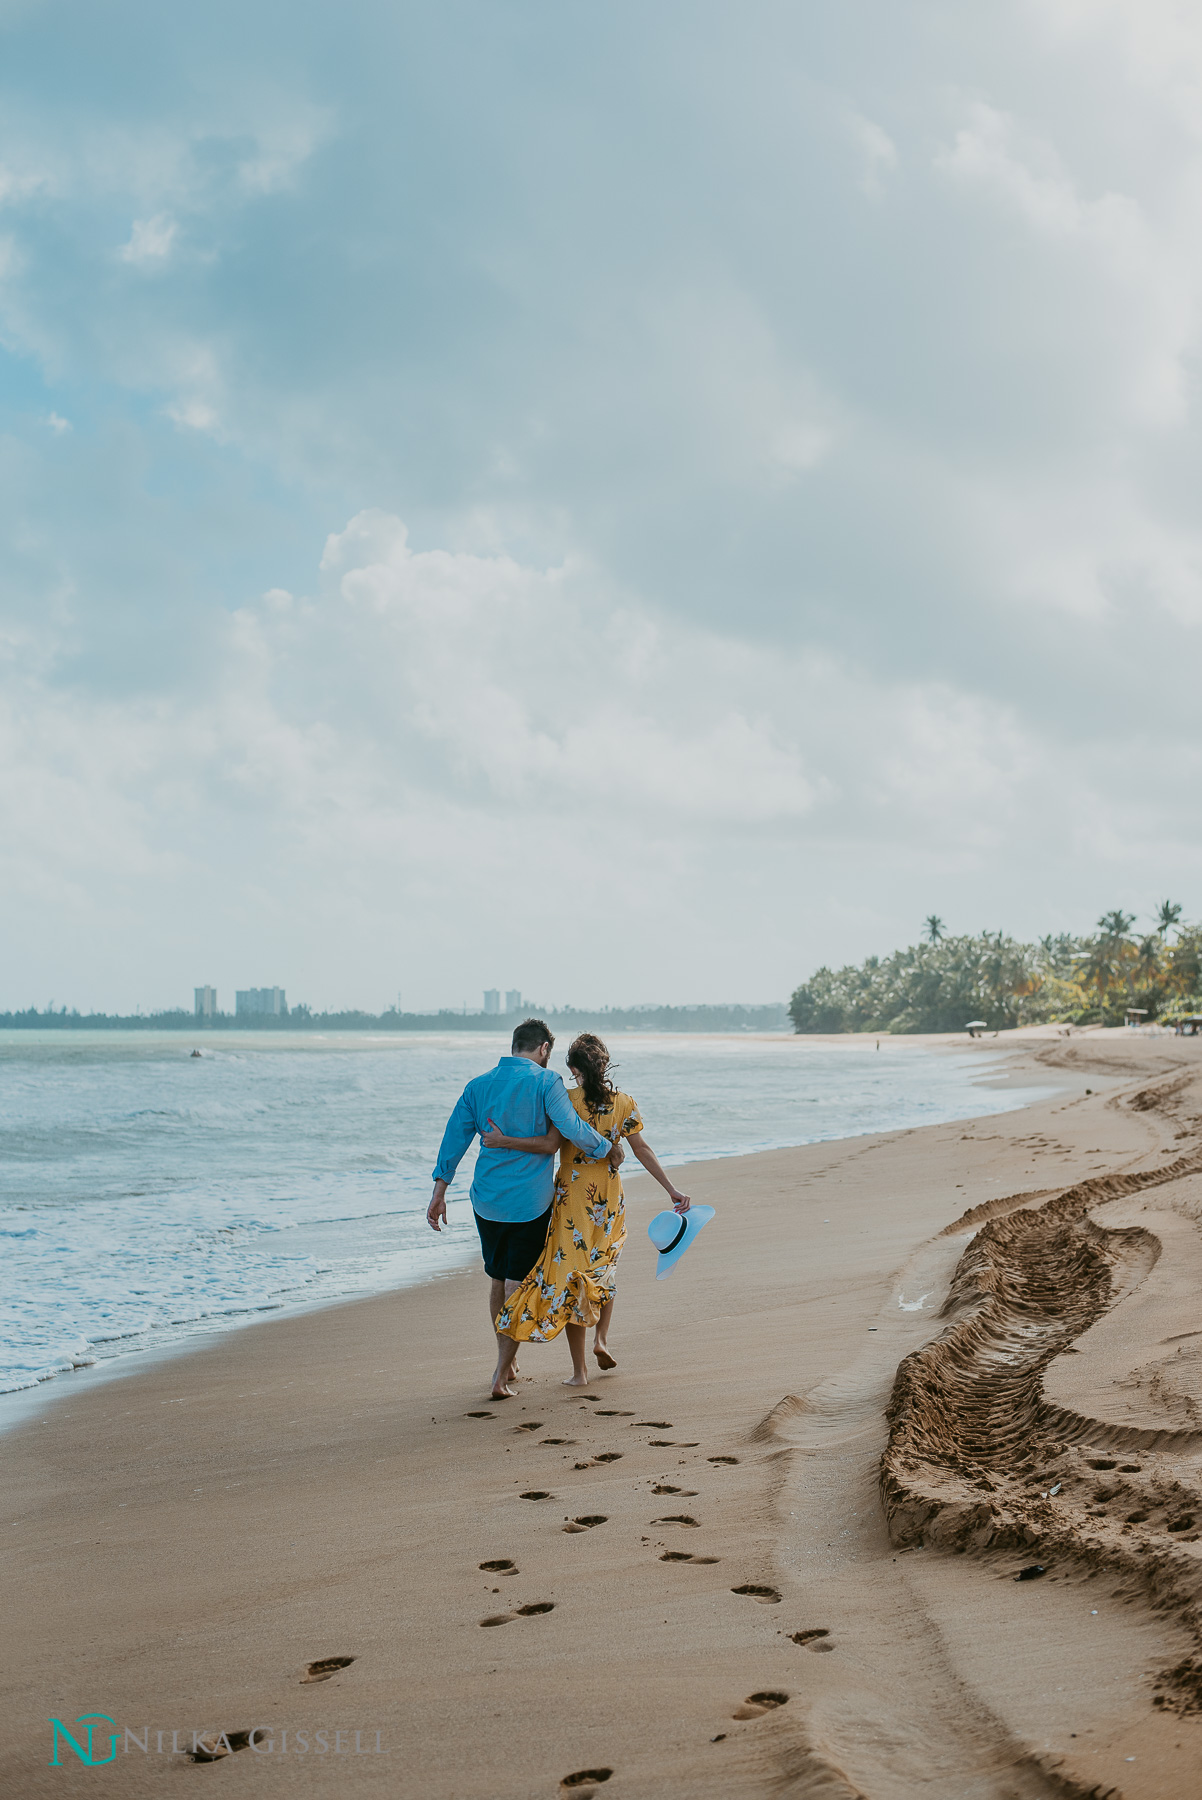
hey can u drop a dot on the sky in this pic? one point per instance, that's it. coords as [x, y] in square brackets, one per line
[627, 503]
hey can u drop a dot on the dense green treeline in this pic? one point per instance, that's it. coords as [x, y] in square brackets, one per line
[944, 982]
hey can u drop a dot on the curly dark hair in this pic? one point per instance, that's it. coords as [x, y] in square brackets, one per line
[589, 1061]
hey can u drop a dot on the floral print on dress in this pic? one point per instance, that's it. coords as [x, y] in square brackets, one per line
[577, 1272]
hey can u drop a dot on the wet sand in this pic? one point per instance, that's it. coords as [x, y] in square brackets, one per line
[772, 1553]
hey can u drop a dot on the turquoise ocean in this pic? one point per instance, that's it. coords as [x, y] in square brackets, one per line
[148, 1195]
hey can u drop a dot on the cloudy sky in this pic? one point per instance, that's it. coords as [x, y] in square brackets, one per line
[628, 502]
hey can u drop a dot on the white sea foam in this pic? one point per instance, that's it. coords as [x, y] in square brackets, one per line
[146, 1194]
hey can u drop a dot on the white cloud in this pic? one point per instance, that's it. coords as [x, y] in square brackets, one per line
[517, 674]
[1147, 269]
[283, 146]
[878, 154]
[197, 415]
[57, 425]
[150, 240]
[412, 752]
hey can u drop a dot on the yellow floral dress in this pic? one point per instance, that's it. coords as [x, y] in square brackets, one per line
[577, 1271]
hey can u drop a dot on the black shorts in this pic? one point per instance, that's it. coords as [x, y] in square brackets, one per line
[511, 1251]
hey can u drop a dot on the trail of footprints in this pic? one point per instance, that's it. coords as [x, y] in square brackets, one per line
[581, 1783]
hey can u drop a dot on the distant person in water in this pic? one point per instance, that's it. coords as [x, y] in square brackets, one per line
[572, 1285]
[512, 1190]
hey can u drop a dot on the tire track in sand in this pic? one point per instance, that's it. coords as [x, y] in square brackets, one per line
[977, 1458]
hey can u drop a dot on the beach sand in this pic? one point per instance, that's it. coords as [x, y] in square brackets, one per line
[808, 1490]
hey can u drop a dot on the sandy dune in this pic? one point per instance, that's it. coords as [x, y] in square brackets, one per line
[774, 1553]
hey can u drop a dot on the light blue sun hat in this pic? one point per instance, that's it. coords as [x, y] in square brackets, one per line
[673, 1232]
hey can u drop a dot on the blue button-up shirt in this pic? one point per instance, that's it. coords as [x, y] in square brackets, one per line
[520, 1097]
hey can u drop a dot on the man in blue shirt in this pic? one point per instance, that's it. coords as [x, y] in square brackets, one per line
[512, 1192]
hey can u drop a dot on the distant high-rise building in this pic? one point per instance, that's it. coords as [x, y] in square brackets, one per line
[513, 1000]
[492, 1000]
[206, 1002]
[257, 1002]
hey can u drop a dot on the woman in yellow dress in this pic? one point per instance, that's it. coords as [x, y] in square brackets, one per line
[572, 1285]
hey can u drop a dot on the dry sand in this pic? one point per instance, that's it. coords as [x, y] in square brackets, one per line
[807, 1499]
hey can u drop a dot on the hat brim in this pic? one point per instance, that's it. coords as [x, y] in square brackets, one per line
[696, 1219]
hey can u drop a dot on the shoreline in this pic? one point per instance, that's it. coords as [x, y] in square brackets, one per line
[426, 1259]
[187, 1540]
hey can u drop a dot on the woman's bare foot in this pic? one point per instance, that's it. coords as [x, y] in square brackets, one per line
[604, 1359]
[501, 1392]
[580, 1380]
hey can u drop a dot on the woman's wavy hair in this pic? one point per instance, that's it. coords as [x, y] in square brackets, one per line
[589, 1061]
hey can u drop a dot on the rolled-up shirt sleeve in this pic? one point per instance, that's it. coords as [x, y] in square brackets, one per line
[565, 1118]
[461, 1129]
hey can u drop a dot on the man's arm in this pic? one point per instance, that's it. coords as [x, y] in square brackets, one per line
[461, 1129]
[565, 1118]
[549, 1144]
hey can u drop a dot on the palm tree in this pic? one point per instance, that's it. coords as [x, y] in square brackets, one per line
[933, 927]
[1099, 967]
[1116, 924]
[1167, 915]
[1147, 963]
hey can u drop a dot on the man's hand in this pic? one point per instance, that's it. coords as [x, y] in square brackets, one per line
[617, 1156]
[436, 1212]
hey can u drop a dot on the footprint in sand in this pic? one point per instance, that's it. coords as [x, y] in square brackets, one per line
[584, 1782]
[814, 1639]
[613, 1413]
[756, 1705]
[519, 1612]
[653, 1425]
[501, 1565]
[559, 1440]
[329, 1665]
[224, 1743]
[722, 1459]
[684, 1556]
[767, 1596]
[530, 1425]
[676, 1519]
[664, 1487]
[586, 1522]
[536, 1494]
[480, 1415]
[606, 1456]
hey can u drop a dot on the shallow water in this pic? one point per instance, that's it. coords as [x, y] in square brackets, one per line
[146, 1194]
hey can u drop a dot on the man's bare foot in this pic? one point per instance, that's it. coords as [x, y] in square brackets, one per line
[604, 1359]
[576, 1381]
